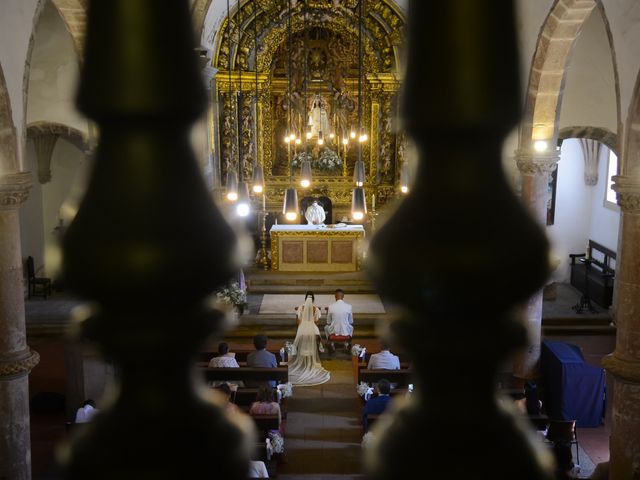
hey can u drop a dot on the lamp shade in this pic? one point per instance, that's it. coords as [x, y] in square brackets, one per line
[305, 177]
[258, 179]
[358, 173]
[358, 204]
[404, 177]
[243, 205]
[232, 186]
[290, 208]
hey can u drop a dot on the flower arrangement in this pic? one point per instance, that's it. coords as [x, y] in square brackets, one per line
[364, 390]
[276, 440]
[286, 389]
[233, 295]
[366, 439]
[328, 161]
[358, 350]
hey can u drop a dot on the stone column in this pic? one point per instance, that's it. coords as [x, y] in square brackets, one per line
[624, 363]
[16, 359]
[536, 170]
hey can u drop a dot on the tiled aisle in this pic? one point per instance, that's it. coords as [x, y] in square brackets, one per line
[323, 431]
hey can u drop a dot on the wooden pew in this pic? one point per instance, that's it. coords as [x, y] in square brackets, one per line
[400, 377]
[247, 374]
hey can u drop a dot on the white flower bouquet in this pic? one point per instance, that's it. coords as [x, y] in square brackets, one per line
[358, 350]
[364, 390]
[277, 442]
[328, 161]
[286, 389]
[233, 295]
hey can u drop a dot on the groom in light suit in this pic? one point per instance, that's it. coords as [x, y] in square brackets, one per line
[339, 317]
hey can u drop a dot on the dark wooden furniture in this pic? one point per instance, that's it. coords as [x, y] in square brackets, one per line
[247, 374]
[36, 286]
[400, 377]
[563, 431]
[598, 273]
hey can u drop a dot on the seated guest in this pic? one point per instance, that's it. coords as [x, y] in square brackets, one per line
[257, 469]
[378, 403]
[225, 359]
[265, 404]
[261, 358]
[225, 390]
[86, 412]
[384, 360]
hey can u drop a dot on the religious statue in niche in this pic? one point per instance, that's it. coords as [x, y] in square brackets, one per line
[315, 214]
[318, 117]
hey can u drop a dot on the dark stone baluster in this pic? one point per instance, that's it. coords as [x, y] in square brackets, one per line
[148, 247]
[460, 252]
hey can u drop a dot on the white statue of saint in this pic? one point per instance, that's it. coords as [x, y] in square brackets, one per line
[318, 117]
[315, 214]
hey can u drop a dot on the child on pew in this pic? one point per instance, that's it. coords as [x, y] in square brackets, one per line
[265, 404]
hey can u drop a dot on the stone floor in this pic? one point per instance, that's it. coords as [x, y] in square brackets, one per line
[323, 431]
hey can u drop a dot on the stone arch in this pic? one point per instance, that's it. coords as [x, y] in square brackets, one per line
[602, 135]
[8, 140]
[549, 66]
[45, 136]
[74, 16]
[631, 160]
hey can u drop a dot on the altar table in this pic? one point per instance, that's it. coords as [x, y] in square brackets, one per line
[313, 248]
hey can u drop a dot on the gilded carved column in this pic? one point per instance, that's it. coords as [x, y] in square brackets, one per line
[373, 137]
[16, 359]
[624, 363]
[536, 170]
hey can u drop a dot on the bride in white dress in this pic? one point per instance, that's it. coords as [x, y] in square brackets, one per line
[305, 367]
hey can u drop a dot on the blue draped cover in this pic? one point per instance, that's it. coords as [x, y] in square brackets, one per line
[573, 390]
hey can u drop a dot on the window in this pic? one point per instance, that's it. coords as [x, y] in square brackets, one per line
[610, 198]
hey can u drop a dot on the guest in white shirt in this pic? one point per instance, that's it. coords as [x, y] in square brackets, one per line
[339, 317]
[384, 360]
[225, 359]
[257, 469]
[86, 412]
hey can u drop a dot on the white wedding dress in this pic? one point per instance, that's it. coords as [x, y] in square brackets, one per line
[305, 367]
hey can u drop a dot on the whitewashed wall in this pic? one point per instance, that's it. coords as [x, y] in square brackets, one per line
[580, 213]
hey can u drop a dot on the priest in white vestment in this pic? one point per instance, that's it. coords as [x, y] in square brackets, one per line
[315, 214]
[339, 317]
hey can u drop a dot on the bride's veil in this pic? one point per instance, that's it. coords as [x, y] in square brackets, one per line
[305, 367]
[305, 340]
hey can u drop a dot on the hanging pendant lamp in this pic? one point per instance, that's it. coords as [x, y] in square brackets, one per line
[258, 179]
[232, 186]
[290, 209]
[358, 173]
[404, 177]
[358, 204]
[243, 205]
[305, 177]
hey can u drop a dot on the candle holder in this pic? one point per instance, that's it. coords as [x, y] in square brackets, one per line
[263, 262]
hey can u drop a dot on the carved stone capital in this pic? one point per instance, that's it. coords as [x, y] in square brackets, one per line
[537, 163]
[628, 370]
[19, 365]
[628, 193]
[14, 189]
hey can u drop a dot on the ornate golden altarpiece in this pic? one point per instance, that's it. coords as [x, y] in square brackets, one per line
[332, 32]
